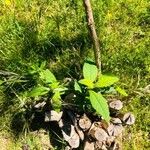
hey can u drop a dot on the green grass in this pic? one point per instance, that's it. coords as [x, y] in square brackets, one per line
[33, 31]
[137, 137]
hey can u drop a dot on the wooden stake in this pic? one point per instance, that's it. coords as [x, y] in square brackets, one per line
[116, 121]
[109, 141]
[88, 145]
[115, 130]
[98, 133]
[129, 119]
[53, 116]
[91, 25]
[116, 105]
[75, 123]
[98, 145]
[72, 138]
[85, 123]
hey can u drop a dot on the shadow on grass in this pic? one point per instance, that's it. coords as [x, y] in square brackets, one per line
[35, 50]
[34, 121]
[50, 47]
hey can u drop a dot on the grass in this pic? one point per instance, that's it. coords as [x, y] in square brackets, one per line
[35, 140]
[55, 31]
[137, 137]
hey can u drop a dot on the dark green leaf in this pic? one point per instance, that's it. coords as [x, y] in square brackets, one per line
[99, 103]
[43, 64]
[90, 71]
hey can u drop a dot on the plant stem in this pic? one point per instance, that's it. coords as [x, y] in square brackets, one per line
[91, 25]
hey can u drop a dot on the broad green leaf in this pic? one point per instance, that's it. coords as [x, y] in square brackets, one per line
[38, 91]
[87, 83]
[106, 80]
[56, 101]
[47, 76]
[121, 91]
[90, 71]
[77, 87]
[99, 103]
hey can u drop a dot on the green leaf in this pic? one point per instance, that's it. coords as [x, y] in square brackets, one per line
[47, 76]
[60, 89]
[56, 101]
[43, 64]
[87, 83]
[54, 85]
[77, 87]
[38, 91]
[121, 91]
[90, 71]
[33, 69]
[1, 82]
[99, 103]
[106, 80]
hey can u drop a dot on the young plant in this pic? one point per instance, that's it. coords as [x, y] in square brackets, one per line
[93, 85]
[48, 85]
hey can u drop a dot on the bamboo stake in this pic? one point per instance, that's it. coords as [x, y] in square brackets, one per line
[91, 25]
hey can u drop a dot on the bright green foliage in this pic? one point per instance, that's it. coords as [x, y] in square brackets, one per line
[54, 85]
[47, 76]
[77, 87]
[49, 85]
[99, 103]
[60, 89]
[106, 80]
[87, 83]
[90, 72]
[121, 91]
[38, 91]
[35, 68]
[90, 82]
[56, 101]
